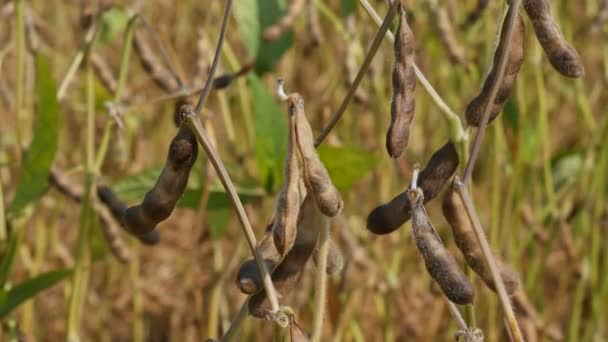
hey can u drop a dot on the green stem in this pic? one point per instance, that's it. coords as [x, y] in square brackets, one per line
[20, 81]
[2, 217]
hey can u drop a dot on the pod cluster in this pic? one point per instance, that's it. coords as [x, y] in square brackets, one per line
[306, 201]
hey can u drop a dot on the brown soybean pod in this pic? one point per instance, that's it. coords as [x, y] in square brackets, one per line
[562, 56]
[447, 35]
[160, 201]
[288, 204]
[248, 279]
[464, 236]
[316, 177]
[404, 86]
[388, 217]
[440, 264]
[515, 59]
[163, 78]
[117, 209]
[288, 272]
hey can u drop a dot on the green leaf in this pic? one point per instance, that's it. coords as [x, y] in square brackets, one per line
[511, 114]
[134, 187]
[346, 165]
[38, 158]
[30, 288]
[8, 257]
[270, 125]
[348, 7]
[253, 17]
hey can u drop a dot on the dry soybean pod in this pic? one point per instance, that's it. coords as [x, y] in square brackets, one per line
[515, 59]
[601, 19]
[117, 210]
[287, 273]
[388, 217]
[440, 264]
[288, 204]
[248, 278]
[466, 240]
[335, 259]
[562, 56]
[316, 177]
[404, 86]
[160, 201]
[277, 30]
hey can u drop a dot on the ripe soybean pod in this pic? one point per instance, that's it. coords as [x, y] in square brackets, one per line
[440, 264]
[160, 201]
[562, 56]
[386, 218]
[287, 273]
[515, 59]
[464, 236]
[404, 86]
[316, 177]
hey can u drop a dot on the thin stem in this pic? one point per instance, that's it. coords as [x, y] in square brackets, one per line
[124, 58]
[236, 323]
[194, 123]
[362, 71]
[163, 52]
[457, 315]
[462, 190]
[457, 132]
[2, 216]
[321, 282]
[512, 18]
[73, 68]
[216, 57]
[20, 81]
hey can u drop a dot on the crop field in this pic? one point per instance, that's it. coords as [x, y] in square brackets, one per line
[304, 170]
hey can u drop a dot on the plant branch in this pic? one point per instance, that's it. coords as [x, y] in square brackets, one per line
[502, 64]
[236, 323]
[80, 54]
[321, 282]
[462, 190]
[458, 134]
[194, 123]
[216, 57]
[366, 63]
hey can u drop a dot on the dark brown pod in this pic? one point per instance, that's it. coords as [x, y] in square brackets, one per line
[335, 260]
[288, 204]
[562, 56]
[476, 13]
[248, 279]
[160, 201]
[515, 59]
[316, 177]
[464, 236]
[404, 86]
[390, 216]
[117, 209]
[288, 272]
[440, 264]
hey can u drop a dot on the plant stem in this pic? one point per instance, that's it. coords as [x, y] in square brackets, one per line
[362, 71]
[457, 132]
[216, 57]
[2, 217]
[73, 68]
[80, 280]
[20, 81]
[230, 335]
[489, 257]
[194, 123]
[321, 282]
[512, 17]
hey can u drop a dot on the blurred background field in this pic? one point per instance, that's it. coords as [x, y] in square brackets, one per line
[540, 186]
